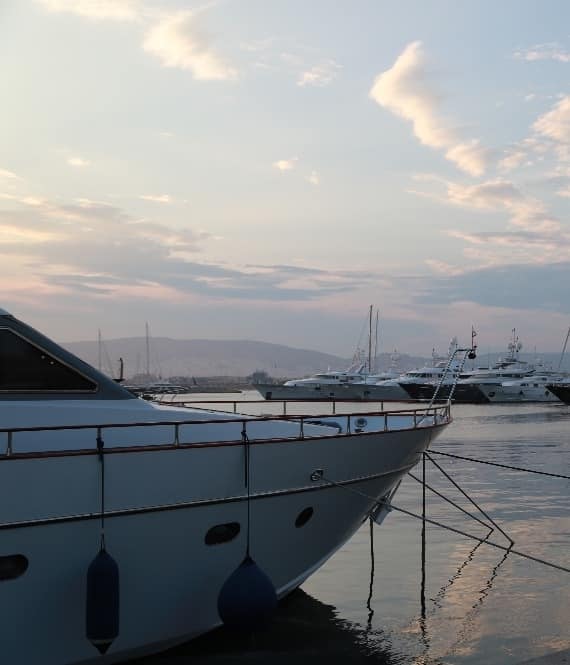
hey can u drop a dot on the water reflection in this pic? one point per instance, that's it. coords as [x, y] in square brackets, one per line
[305, 631]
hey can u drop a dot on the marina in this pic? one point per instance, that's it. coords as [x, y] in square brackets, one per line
[284, 324]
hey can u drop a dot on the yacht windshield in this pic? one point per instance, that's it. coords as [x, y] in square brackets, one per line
[25, 367]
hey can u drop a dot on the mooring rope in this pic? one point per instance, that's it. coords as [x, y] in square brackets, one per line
[389, 505]
[504, 466]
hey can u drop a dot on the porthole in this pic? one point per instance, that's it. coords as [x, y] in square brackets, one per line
[12, 566]
[361, 423]
[304, 516]
[222, 533]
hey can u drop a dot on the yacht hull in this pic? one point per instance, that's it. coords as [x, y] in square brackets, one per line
[507, 395]
[463, 393]
[561, 391]
[159, 506]
[355, 391]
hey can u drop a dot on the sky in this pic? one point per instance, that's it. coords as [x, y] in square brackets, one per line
[267, 169]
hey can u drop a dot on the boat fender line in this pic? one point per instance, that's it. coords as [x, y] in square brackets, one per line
[102, 598]
[247, 599]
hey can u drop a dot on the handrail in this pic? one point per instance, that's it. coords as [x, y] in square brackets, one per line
[441, 415]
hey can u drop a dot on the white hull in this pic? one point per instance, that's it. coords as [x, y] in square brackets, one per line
[509, 394]
[354, 391]
[160, 504]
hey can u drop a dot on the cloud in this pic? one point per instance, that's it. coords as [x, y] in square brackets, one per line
[78, 162]
[513, 286]
[549, 51]
[178, 40]
[91, 247]
[286, 164]
[407, 91]
[9, 175]
[525, 212]
[117, 10]
[162, 198]
[555, 124]
[313, 178]
[320, 75]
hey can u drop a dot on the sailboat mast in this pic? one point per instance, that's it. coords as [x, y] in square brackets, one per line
[147, 349]
[99, 345]
[370, 341]
[564, 349]
[376, 342]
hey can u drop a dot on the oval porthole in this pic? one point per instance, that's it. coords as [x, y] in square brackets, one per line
[222, 533]
[12, 566]
[304, 516]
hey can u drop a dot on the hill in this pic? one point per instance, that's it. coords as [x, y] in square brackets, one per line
[201, 357]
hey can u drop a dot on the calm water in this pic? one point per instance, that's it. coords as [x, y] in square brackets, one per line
[480, 605]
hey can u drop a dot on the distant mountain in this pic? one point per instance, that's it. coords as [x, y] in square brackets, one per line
[201, 357]
[239, 358]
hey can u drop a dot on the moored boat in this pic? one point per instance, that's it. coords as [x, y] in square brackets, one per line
[561, 390]
[123, 520]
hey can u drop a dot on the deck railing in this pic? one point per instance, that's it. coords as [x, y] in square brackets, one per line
[418, 418]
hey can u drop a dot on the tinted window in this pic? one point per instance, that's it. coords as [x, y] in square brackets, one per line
[26, 368]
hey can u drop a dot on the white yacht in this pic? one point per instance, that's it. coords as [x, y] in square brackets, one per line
[529, 388]
[128, 527]
[346, 384]
[421, 383]
[475, 386]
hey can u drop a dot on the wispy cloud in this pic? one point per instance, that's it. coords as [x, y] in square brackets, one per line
[9, 175]
[157, 198]
[555, 124]
[117, 10]
[180, 40]
[319, 75]
[548, 51]
[78, 162]
[407, 90]
[286, 164]
[91, 247]
[525, 212]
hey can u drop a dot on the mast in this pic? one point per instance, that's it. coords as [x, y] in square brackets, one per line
[376, 342]
[564, 349]
[147, 366]
[99, 345]
[370, 341]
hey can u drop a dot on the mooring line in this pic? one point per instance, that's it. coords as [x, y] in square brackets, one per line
[448, 528]
[481, 540]
[504, 466]
[455, 505]
[474, 503]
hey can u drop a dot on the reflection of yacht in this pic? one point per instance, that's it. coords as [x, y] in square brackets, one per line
[122, 520]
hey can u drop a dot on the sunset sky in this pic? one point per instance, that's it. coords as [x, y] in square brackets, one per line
[266, 169]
